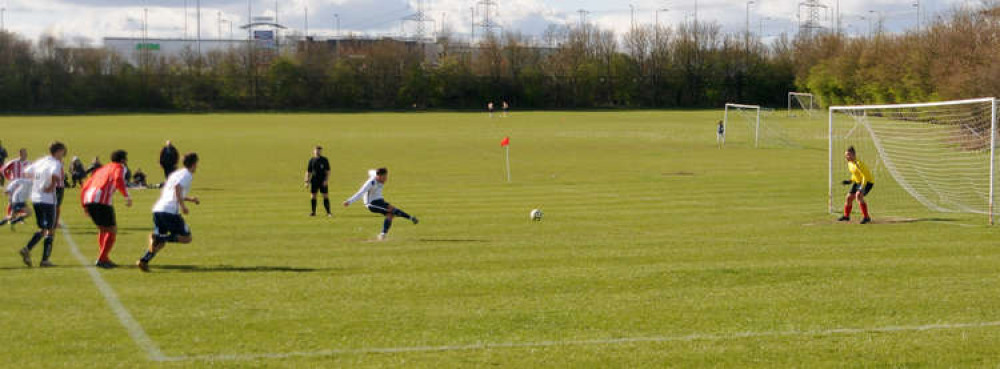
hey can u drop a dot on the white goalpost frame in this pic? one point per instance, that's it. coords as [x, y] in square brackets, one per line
[756, 132]
[812, 102]
[992, 150]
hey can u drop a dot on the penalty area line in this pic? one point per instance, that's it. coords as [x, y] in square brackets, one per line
[135, 330]
[595, 342]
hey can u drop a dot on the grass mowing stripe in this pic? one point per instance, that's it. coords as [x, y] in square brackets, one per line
[124, 316]
[610, 341]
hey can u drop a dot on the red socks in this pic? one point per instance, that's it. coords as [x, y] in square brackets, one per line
[847, 208]
[864, 210]
[107, 241]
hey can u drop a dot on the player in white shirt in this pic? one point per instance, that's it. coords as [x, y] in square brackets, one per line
[167, 220]
[17, 192]
[46, 174]
[371, 191]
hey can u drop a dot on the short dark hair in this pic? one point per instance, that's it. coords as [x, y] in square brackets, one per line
[318, 147]
[190, 159]
[56, 147]
[850, 149]
[381, 172]
[119, 156]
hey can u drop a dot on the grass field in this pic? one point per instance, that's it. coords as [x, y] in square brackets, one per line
[657, 250]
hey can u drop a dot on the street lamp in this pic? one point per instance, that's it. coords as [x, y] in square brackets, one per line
[2, 12]
[920, 19]
[336, 17]
[632, 9]
[750, 2]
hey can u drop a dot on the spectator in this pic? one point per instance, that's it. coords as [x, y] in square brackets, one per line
[77, 172]
[168, 159]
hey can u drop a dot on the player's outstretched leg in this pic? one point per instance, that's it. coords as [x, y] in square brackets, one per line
[400, 213]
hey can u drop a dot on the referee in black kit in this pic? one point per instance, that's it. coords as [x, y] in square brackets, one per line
[317, 178]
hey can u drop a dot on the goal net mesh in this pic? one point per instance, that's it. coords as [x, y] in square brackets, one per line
[742, 127]
[800, 102]
[923, 156]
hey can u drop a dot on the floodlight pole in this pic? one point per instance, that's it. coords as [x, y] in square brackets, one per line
[3, 12]
[185, 19]
[198, 25]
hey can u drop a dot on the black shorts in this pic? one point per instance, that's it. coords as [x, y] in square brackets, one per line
[167, 224]
[317, 186]
[856, 187]
[17, 206]
[45, 215]
[379, 207]
[102, 215]
[60, 191]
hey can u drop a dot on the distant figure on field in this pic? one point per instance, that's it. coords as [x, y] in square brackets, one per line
[3, 159]
[168, 159]
[77, 172]
[138, 179]
[318, 180]
[489, 107]
[720, 134]
[506, 109]
[94, 165]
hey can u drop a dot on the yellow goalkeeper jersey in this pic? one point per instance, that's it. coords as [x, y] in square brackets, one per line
[859, 172]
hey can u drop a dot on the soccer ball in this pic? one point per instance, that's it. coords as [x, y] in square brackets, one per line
[536, 215]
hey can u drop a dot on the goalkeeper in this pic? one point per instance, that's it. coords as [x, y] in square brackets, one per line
[861, 183]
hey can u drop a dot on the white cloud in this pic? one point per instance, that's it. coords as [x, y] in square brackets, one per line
[95, 19]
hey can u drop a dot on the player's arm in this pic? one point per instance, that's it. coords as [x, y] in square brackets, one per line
[123, 187]
[364, 188]
[53, 181]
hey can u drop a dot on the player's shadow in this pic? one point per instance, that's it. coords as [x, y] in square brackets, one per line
[232, 269]
[446, 240]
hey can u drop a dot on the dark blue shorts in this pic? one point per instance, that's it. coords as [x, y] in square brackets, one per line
[856, 187]
[45, 215]
[167, 224]
[18, 206]
[379, 207]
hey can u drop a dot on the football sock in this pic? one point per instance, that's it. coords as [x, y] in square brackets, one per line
[34, 241]
[48, 247]
[167, 238]
[101, 243]
[106, 245]
[148, 256]
[313, 202]
[400, 213]
[386, 225]
[848, 208]
[4, 221]
[864, 209]
[326, 204]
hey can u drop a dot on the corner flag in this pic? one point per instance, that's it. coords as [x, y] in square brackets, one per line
[505, 142]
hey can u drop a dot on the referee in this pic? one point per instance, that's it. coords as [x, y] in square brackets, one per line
[317, 178]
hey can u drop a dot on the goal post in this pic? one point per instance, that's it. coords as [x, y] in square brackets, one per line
[752, 112]
[801, 100]
[938, 156]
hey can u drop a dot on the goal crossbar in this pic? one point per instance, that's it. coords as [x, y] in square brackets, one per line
[992, 139]
[725, 120]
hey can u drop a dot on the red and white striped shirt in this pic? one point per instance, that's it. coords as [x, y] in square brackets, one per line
[14, 169]
[102, 185]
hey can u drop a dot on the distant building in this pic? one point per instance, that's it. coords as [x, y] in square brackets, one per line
[133, 49]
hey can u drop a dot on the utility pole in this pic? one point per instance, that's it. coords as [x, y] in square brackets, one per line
[472, 39]
[3, 12]
[632, 10]
[420, 18]
[489, 23]
[583, 18]
[750, 2]
[920, 19]
[220, 25]
[336, 18]
[185, 19]
[199, 28]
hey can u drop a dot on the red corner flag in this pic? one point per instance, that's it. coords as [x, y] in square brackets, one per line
[505, 142]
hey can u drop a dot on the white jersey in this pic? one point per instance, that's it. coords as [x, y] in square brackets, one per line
[371, 190]
[168, 202]
[41, 172]
[19, 190]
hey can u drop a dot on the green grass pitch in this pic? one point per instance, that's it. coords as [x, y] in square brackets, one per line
[657, 249]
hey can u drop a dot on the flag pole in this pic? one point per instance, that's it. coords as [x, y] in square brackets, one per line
[507, 151]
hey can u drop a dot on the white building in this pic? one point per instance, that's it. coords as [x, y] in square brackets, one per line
[133, 48]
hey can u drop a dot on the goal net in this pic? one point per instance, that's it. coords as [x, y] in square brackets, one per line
[800, 102]
[748, 123]
[934, 156]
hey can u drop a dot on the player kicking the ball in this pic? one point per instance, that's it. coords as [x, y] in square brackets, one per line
[861, 183]
[168, 224]
[371, 190]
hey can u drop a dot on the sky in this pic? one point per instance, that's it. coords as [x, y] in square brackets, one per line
[89, 21]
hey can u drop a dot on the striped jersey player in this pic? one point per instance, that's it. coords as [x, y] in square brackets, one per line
[96, 196]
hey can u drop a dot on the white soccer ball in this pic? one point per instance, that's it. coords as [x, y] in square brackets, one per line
[536, 215]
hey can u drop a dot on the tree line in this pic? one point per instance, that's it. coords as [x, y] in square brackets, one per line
[687, 66]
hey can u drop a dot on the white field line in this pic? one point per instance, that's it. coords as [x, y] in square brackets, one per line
[611, 341]
[124, 317]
